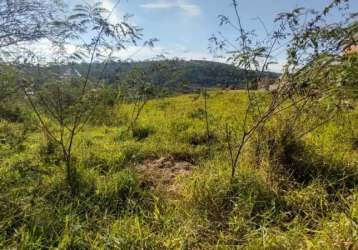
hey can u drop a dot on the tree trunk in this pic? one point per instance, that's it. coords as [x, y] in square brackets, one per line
[70, 178]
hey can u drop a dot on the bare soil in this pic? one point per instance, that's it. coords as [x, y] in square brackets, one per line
[162, 174]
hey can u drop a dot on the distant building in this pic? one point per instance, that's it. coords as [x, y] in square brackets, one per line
[351, 49]
[350, 44]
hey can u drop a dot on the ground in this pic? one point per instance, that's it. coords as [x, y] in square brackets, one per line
[166, 186]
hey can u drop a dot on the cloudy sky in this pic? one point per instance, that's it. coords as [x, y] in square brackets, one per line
[184, 26]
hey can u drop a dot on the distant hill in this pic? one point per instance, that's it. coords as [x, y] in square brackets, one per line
[176, 74]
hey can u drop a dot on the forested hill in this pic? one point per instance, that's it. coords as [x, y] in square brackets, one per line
[175, 74]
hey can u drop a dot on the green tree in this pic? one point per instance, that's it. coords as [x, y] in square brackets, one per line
[317, 69]
[64, 102]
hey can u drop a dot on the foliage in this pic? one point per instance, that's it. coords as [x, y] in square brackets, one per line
[280, 173]
[63, 105]
[266, 205]
[28, 21]
[178, 75]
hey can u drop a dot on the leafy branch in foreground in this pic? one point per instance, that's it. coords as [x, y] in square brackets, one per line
[28, 21]
[312, 75]
[64, 104]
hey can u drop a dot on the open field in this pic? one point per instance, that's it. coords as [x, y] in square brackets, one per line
[178, 124]
[165, 185]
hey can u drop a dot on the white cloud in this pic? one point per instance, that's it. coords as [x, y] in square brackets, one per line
[169, 52]
[278, 66]
[184, 6]
[116, 15]
[158, 5]
[191, 9]
[45, 52]
[110, 5]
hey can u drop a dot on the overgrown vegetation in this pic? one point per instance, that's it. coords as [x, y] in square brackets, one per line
[289, 190]
[86, 165]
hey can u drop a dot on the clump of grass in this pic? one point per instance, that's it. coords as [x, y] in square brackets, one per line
[48, 214]
[179, 126]
[141, 133]
[311, 203]
[235, 206]
[131, 232]
[339, 231]
[12, 134]
[198, 113]
[10, 113]
[201, 138]
[292, 161]
[121, 192]
[49, 152]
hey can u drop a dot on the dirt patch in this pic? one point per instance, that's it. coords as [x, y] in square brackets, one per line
[161, 174]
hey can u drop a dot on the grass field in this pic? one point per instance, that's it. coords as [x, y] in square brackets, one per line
[131, 196]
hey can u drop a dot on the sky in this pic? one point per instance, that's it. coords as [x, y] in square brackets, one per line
[183, 27]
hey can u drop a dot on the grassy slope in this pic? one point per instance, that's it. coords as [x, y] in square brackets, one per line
[115, 208]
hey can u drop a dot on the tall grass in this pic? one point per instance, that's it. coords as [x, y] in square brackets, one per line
[291, 192]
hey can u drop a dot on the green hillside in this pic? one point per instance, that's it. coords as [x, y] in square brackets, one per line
[178, 75]
[165, 185]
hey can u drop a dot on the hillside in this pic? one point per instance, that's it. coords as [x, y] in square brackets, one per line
[175, 154]
[177, 75]
[166, 186]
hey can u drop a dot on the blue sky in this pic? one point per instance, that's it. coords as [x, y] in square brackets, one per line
[184, 26]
